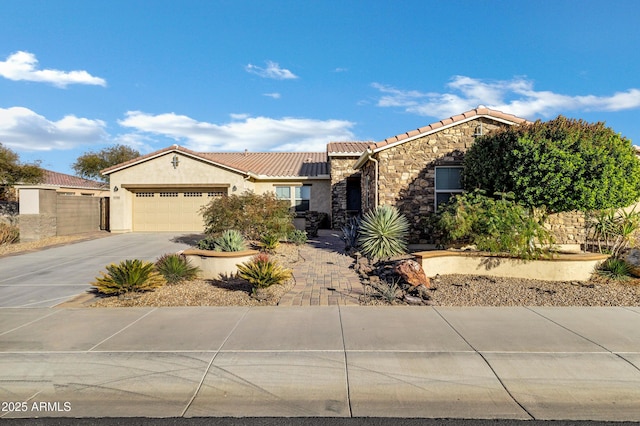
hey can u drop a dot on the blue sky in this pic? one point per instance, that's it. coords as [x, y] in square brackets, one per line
[77, 76]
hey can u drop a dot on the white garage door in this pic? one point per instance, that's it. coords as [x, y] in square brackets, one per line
[176, 211]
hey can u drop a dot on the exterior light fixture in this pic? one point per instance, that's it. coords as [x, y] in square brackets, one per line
[115, 188]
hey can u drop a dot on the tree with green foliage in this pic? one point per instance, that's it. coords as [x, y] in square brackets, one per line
[12, 171]
[88, 165]
[563, 165]
[253, 214]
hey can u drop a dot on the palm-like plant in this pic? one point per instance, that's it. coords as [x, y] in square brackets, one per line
[175, 268]
[383, 233]
[262, 272]
[128, 276]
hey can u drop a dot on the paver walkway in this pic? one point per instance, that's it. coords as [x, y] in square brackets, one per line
[323, 277]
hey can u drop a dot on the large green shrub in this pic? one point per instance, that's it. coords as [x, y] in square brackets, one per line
[253, 214]
[495, 225]
[262, 271]
[176, 268]
[383, 233]
[563, 165]
[128, 276]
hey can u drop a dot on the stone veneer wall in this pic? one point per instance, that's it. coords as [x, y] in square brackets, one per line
[407, 171]
[341, 169]
[568, 227]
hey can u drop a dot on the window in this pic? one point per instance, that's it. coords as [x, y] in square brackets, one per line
[144, 194]
[303, 197]
[448, 183]
[283, 192]
[192, 194]
[168, 194]
[215, 194]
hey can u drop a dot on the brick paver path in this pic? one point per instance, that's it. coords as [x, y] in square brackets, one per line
[323, 276]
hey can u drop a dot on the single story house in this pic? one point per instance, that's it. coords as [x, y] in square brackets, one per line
[415, 171]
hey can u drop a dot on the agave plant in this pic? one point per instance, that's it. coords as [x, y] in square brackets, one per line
[383, 233]
[350, 233]
[230, 240]
[262, 272]
[175, 268]
[128, 276]
[297, 237]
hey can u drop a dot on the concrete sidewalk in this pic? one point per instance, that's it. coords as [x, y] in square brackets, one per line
[338, 361]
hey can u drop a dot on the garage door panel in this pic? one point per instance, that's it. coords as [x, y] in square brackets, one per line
[169, 211]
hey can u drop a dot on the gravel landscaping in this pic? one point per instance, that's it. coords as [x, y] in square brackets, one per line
[449, 290]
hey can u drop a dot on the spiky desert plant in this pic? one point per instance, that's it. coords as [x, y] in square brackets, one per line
[175, 268]
[383, 233]
[128, 276]
[615, 268]
[297, 237]
[262, 271]
[230, 240]
[350, 233]
[269, 242]
[9, 234]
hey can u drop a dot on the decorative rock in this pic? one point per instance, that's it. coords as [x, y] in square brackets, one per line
[412, 272]
[632, 258]
[412, 300]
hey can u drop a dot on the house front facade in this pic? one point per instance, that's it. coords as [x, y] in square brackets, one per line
[165, 190]
[414, 171]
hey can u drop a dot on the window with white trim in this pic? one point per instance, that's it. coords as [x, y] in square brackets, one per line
[283, 192]
[448, 182]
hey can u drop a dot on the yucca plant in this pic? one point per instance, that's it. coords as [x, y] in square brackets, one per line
[269, 242]
[350, 233]
[262, 272]
[615, 268]
[230, 240]
[128, 276]
[383, 233]
[176, 268]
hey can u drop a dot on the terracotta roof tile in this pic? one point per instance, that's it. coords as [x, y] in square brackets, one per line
[480, 111]
[274, 164]
[268, 164]
[60, 179]
[355, 148]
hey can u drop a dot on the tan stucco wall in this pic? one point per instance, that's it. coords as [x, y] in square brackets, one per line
[320, 192]
[160, 171]
[563, 267]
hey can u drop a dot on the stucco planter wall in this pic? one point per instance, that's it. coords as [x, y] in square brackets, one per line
[217, 264]
[562, 267]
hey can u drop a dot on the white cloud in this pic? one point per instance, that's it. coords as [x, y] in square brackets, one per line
[22, 66]
[23, 129]
[252, 133]
[272, 70]
[274, 95]
[516, 96]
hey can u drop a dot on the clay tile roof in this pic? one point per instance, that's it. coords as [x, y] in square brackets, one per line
[480, 111]
[355, 148]
[60, 179]
[273, 164]
[267, 164]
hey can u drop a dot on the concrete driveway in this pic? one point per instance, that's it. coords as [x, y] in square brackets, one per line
[51, 276]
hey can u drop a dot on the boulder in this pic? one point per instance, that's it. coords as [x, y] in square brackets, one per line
[632, 258]
[412, 272]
